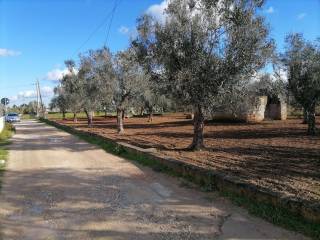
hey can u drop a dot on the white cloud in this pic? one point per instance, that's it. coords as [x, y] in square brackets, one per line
[270, 10]
[13, 98]
[56, 74]
[27, 94]
[23, 94]
[158, 10]
[45, 92]
[8, 53]
[301, 15]
[124, 30]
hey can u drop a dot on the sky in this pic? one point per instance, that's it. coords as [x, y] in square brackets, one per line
[37, 36]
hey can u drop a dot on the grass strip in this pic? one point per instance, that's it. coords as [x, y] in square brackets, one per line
[276, 215]
[5, 135]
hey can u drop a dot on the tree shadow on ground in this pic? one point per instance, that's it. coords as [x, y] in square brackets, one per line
[78, 204]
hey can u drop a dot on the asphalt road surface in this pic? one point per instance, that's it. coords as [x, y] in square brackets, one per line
[59, 187]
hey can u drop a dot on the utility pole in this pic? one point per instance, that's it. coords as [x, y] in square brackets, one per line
[38, 105]
[41, 103]
[40, 110]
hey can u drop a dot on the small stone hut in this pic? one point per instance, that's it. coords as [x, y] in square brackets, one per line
[262, 108]
[267, 108]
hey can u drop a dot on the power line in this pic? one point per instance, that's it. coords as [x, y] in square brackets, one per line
[17, 86]
[102, 23]
[116, 3]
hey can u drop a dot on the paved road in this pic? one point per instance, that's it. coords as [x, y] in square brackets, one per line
[58, 187]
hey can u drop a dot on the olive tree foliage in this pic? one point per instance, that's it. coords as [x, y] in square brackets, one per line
[152, 96]
[66, 93]
[129, 83]
[105, 71]
[96, 76]
[70, 89]
[202, 46]
[266, 85]
[154, 101]
[302, 62]
[60, 101]
[151, 100]
[234, 99]
[241, 98]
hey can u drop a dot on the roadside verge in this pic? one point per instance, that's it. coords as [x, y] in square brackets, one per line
[5, 134]
[291, 213]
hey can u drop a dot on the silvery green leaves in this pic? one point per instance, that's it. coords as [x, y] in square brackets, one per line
[203, 46]
[302, 62]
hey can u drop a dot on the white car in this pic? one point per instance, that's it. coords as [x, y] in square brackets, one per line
[12, 117]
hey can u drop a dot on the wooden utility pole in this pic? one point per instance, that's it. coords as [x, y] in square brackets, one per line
[39, 100]
[37, 108]
[40, 111]
[41, 103]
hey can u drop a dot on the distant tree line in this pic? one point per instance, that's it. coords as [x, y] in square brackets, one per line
[202, 57]
[24, 108]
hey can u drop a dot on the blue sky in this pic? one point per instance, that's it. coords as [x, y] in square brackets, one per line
[36, 36]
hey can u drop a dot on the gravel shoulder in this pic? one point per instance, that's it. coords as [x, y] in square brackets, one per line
[59, 187]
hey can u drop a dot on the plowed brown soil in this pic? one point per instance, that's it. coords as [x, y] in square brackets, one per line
[274, 155]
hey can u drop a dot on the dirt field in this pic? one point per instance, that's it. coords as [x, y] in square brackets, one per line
[275, 155]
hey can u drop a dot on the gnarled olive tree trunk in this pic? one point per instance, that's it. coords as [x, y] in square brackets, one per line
[305, 116]
[198, 127]
[312, 119]
[120, 117]
[89, 115]
[150, 114]
[75, 119]
[141, 111]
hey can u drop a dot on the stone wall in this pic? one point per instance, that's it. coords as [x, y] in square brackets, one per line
[260, 110]
[283, 110]
[256, 114]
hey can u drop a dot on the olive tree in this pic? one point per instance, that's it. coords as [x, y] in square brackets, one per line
[152, 95]
[95, 75]
[203, 45]
[151, 99]
[69, 90]
[302, 60]
[60, 101]
[129, 80]
[104, 72]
